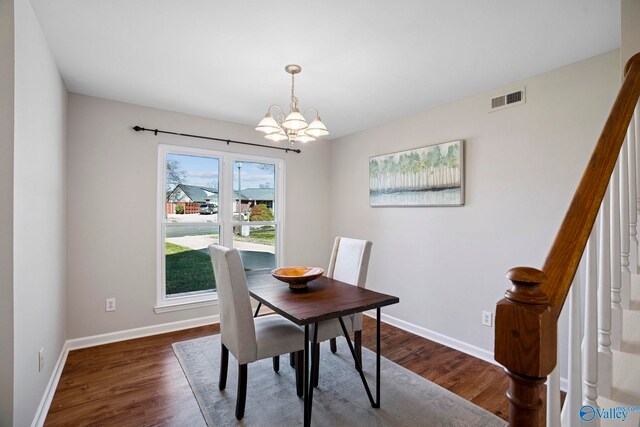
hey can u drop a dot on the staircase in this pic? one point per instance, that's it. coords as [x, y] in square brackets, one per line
[626, 362]
[591, 275]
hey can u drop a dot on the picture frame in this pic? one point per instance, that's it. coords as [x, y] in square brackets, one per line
[432, 175]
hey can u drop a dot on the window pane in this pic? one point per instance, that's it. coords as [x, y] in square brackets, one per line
[191, 186]
[187, 263]
[253, 185]
[257, 246]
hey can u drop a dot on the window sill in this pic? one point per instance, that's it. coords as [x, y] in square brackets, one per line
[168, 307]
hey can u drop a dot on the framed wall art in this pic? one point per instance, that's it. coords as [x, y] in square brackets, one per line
[426, 176]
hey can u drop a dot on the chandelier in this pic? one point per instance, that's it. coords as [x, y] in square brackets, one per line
[293, 127]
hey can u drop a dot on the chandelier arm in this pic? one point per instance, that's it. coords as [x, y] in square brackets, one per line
[311, 109]
[280, 118]
[276, 106]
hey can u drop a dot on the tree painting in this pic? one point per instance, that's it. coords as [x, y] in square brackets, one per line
[428, 176]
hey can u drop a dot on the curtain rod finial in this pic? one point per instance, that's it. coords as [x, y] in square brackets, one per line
[138, 128]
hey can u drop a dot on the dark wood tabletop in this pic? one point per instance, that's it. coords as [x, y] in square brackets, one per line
[323, 299]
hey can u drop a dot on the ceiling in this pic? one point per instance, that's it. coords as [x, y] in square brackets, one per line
[364, 62]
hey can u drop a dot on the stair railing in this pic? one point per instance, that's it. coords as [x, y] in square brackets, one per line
[527, 318]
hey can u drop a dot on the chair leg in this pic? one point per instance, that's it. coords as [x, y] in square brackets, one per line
[292, 360]
[316, 365]
[357, 335]
[224, 363]
[276, 363]
[242, 391]
[333, 345]
[299, 372]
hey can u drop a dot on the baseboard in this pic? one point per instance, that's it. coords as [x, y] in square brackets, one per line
[128, 334]
[45, 402]
[456, 344]
[91, 341]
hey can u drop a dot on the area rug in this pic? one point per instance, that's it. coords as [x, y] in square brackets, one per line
[340, 400]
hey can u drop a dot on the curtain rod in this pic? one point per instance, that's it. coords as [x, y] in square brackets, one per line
[228, 141]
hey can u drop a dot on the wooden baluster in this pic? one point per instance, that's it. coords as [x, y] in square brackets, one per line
[573, 401]
[525, 344]
[553, 395]
[633, 195]
[605, 370]
[616, 266]
[590, 340]
[625, 280]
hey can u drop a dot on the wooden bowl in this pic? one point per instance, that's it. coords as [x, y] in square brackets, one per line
[297, 277]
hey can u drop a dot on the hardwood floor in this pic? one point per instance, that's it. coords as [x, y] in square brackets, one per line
[140, 382]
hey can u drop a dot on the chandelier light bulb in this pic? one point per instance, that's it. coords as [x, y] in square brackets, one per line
[316, 129]
[268, 124]
[294, 121]
[277, 136]
[304, 138]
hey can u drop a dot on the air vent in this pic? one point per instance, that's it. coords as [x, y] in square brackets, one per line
[510, 99]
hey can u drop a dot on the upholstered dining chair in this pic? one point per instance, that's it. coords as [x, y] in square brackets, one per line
[249, 339]
[349, 263]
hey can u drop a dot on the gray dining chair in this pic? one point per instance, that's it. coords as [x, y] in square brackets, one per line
[349, 263]
[249, 339]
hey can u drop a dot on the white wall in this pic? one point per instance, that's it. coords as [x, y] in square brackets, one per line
[39, 206]
[630, 30]
[523, 164]
[112, 178]
[6, 213]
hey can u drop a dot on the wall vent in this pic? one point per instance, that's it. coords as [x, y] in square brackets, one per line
[509, 99]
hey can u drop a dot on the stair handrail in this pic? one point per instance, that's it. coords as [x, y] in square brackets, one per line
[527, 318]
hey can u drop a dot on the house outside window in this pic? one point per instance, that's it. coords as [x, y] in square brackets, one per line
[207, 197]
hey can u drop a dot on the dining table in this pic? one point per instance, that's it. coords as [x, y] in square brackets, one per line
[322, 299]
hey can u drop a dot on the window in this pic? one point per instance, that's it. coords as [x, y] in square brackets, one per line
[254, 225]
[210, 197]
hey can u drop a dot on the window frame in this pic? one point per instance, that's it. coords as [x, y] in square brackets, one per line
[224, 220]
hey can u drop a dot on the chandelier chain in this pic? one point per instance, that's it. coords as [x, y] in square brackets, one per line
[294, 100]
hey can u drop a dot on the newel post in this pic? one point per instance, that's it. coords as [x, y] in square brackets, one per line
[525, 344]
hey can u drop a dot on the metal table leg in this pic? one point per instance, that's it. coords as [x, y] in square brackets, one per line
[377, 405]
[257, 309]
[308, 388]
[374, 403]
[307, 420]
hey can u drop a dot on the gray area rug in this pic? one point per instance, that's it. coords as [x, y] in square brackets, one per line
[340, 400]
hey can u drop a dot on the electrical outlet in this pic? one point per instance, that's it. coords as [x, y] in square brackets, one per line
[110, 304]
[41, 359]
[487, 318]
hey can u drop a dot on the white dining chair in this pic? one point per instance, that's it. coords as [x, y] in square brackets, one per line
[349, 263]
[249, 339]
